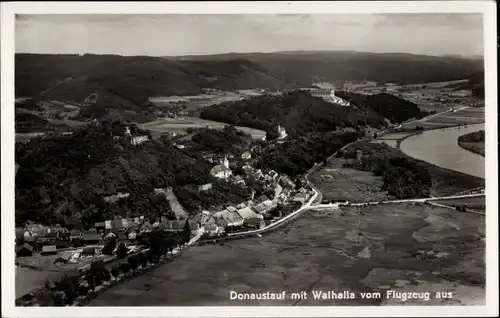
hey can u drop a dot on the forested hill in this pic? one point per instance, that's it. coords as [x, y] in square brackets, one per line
[132, 80]
[301, 113]
[389, 106]
[330, 66]
[66, 178]
[474, 83]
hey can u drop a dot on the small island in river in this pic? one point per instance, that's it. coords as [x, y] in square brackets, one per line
[473, 142]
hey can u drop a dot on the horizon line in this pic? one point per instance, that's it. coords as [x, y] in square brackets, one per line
[257, 52]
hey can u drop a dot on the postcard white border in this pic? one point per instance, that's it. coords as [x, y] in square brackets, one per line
[487, 8]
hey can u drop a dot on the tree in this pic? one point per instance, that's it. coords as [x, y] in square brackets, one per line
[97, 270]
[83, 289]
[125, 268]
[109, 247]
[122, 250]
[69, 286]
[59, 298]
[186, 232]
[90, 281]
[115, 271]
[133, 262]
[143, 259]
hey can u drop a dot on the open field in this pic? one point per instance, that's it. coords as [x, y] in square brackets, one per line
[396, 135]
[389, 142]
[69, 122]
[28, 279]
[403, 248]
[175, 205]
[181, 124]
[465, 116]
[477, 204]
[337, 183]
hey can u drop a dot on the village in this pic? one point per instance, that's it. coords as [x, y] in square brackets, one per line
[56, 248]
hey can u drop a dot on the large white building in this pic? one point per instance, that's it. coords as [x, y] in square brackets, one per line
[221, 171]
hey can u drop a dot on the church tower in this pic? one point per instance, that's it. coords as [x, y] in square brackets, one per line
[225, 162]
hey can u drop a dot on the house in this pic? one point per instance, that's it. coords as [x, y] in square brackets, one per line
[64, 257]
[139, 140]
[204, 187]
[132, 235]
[100, 225]
[247, 213]
[91, 237]
[29, 236]
[211, 229]
[57, 229]
[254, 223]
[25, 250]
[300, 197]
[145, 226]
[227, 218]
[49, 250]
[241, 205]
[262, 198]
[172, 225]
[88, 251]
[258, 174]
[277, 190]
[109, 236]
[238, 180]
[75, 235]
[205, 219]
[231, 209]
[273, 174]
[246, 155]
[268, 204]
[221, 171]
[261, 208]
[247, 169]
[50, 237]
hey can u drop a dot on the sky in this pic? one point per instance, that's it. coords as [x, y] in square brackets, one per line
[181, 34]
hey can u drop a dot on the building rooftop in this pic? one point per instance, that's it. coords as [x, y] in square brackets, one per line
[218, 169]
[248, 212]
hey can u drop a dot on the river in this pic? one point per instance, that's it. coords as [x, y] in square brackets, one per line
[439, 147]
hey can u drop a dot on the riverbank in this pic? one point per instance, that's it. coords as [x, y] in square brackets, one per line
[477, 148]
[410, 247]
[439, 147]
[473, 142]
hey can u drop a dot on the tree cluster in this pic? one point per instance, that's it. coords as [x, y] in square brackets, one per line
[389, 106]
[297, 111]
[403, 177]
[296, 156]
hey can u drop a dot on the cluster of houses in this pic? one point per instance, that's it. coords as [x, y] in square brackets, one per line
[252, 213]
[49, 239]
[134, 140]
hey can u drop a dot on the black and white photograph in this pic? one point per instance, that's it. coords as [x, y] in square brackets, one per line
[287, 159]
